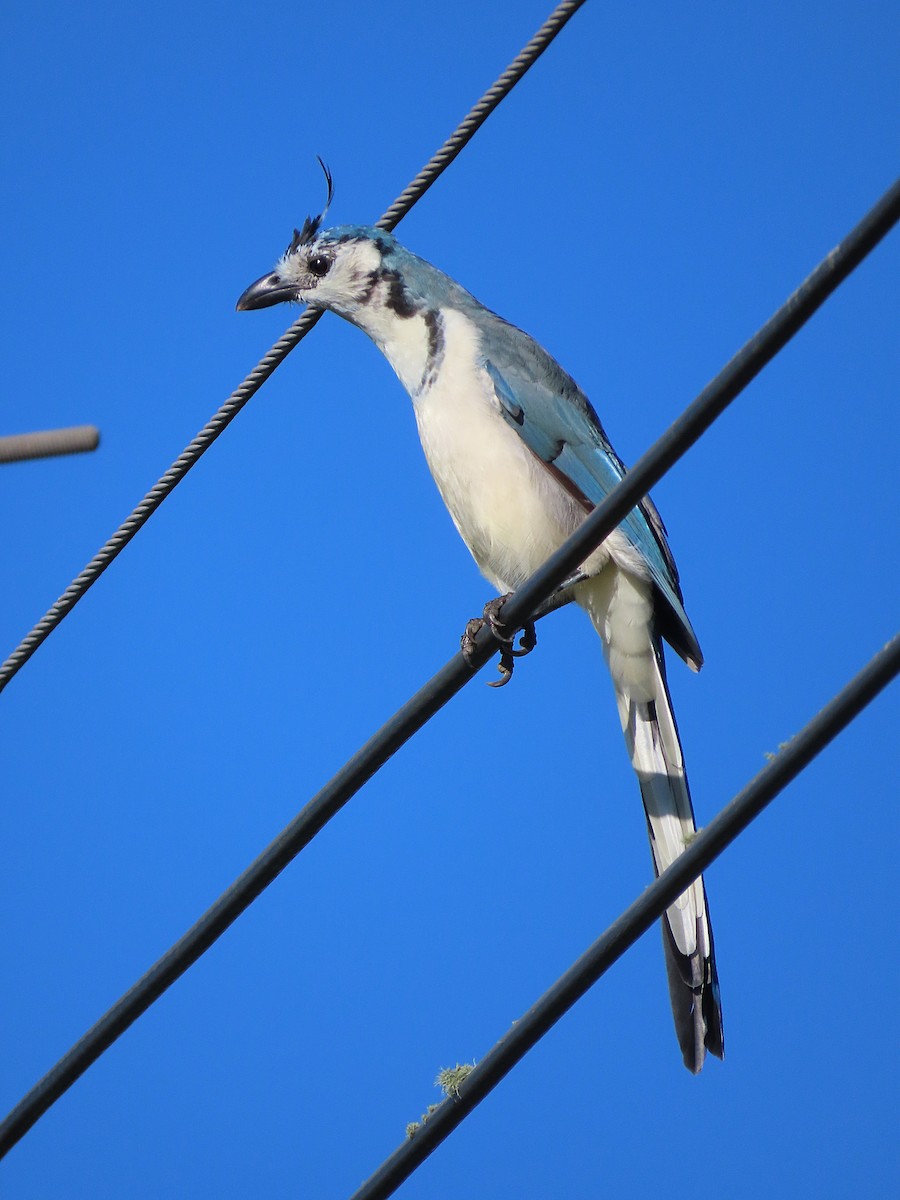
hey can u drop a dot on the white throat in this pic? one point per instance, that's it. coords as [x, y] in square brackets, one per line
[404, 341]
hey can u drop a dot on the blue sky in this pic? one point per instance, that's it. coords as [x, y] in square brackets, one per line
[644, 200]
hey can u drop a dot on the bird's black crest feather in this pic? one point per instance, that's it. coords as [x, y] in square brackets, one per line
[312, 225]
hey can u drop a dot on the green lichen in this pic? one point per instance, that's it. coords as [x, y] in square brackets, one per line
[449, 1079]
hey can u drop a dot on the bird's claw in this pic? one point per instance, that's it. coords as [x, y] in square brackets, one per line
[527, 642]
[509, 652]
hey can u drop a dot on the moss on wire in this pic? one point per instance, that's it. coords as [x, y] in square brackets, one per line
[449, 1080]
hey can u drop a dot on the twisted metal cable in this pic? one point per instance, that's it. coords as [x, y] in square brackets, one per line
[154, 498]
[48, 443]
[480, 113]
[464, 132]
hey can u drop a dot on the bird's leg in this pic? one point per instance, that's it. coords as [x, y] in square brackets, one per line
[509, 652]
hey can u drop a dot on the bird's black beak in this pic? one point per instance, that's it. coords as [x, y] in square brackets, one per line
[265, 292]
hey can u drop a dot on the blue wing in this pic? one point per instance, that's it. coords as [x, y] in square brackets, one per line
[553, 417]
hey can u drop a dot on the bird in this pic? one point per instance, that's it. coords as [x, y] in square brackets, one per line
[520, 459]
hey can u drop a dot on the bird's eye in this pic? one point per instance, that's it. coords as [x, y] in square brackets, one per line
[319, 264]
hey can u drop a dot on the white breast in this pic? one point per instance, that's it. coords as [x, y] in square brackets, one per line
[508, 508]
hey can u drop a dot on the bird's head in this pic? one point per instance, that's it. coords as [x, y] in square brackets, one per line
[345, 269]
[342, 269]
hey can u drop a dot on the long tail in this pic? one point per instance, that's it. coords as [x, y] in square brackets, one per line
[621, 608]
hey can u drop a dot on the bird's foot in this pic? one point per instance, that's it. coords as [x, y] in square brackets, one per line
[509, 652]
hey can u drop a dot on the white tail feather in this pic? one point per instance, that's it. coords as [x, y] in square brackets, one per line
[621, 607]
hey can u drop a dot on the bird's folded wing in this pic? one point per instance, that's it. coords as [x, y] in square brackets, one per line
[557, 423]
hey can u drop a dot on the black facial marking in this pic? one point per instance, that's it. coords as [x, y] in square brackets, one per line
[371, 285]
[398, 299]
[434, 324]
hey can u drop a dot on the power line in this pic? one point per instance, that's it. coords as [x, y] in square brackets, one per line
[711, 403]
[463, 133]
[635, 921]
[454, 675]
